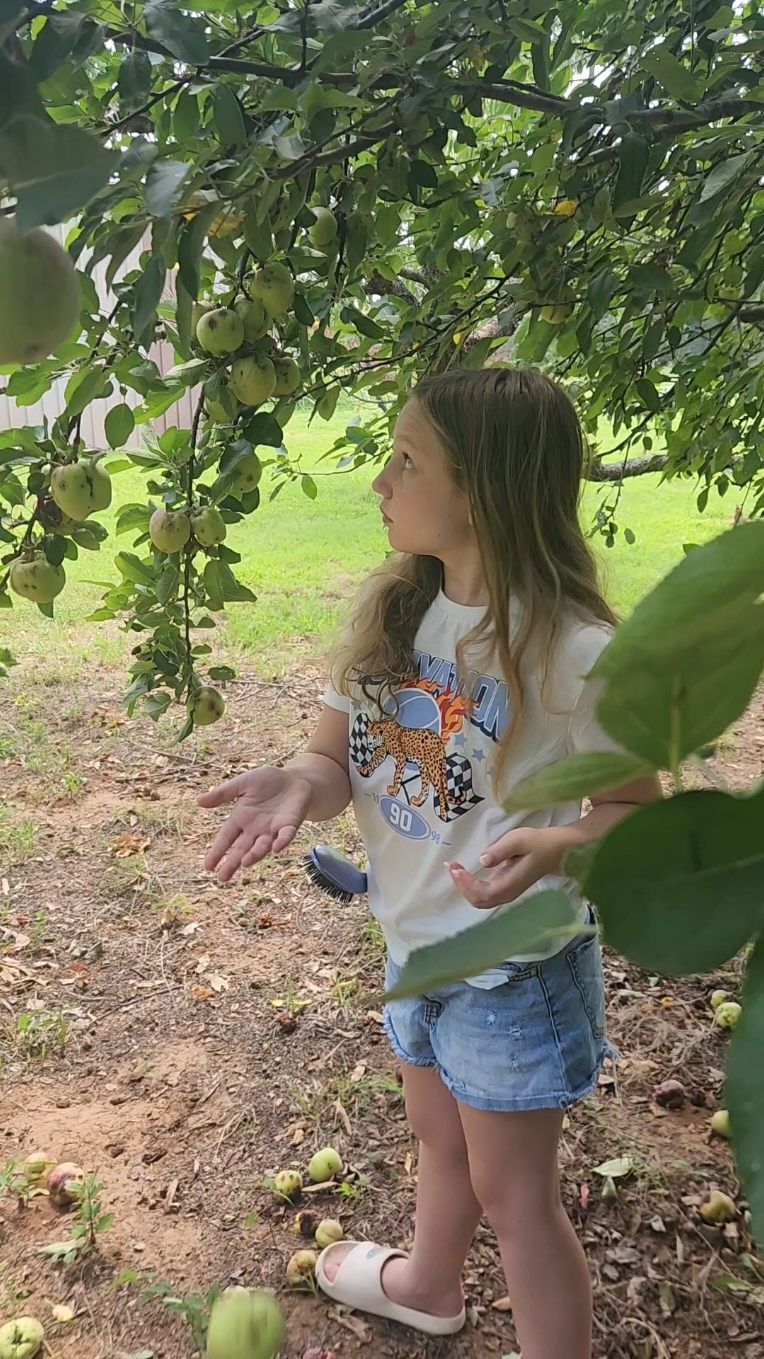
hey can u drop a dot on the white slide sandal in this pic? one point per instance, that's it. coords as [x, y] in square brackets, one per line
[358, 1284]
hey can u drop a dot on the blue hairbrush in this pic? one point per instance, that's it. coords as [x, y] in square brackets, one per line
[335, 874]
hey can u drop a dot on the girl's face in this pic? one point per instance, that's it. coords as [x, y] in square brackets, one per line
[424, 512]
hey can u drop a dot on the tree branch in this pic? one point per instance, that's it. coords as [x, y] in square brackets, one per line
[388, 287]
[507, 92]
[630, 467]
[371, 17]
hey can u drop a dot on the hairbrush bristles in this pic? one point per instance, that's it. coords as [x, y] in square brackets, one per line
[335, 874]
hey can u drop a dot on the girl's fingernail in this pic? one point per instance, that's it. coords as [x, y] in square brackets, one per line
[485, 860]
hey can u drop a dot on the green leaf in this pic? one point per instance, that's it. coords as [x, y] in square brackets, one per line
[302, 311]
[132, 568]
[53, 44]
[526, 29]
[148, 294]
[309, 486]
[670, 702]
[185, 117]
[190, 246]
[715, 576]
[213, 584]
[183, 317]
[684, 665]
[257, 233]
[53, 169]
[679, 884]
[364, 324]
[119, 425]
[531, 926]
[264, 428]
[675, 78]
[134, 80]
[600, 290]
[167, 584]
[633, 155]
[82, 388]
[575, 778]
[182, 36]
[157, 703]
[744, 1089]
[222, 672]
[648, 394]
[228, 117]
[163, 180]
[723, 174]
[650, 277]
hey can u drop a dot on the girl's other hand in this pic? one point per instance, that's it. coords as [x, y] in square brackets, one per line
[271, 805]
[520, 858]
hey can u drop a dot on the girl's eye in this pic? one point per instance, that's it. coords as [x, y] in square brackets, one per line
[406, 461]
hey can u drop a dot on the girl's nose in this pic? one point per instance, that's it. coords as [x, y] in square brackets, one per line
[380, 485]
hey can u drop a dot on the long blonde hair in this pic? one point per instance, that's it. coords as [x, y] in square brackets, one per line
[514, 444]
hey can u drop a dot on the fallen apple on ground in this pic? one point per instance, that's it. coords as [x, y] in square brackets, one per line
[288, 1184]
[718, 1207]
[245, 1324]
[301, 1268]
[324, 1165]
[21, 1338]
[37, 1168]
[328, 1231]
[65, 1184]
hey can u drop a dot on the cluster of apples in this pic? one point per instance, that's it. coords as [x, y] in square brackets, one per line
[77, 489]
[223, 330]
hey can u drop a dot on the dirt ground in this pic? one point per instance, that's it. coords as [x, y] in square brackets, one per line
[184, 1040]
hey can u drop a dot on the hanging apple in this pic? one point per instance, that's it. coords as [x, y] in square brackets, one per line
[207, 706]
[169, 530]
[208, 526]
[220, 331]
[39, 294]
[253, 380]
[273, 285]
[324, 230]
[37, 580]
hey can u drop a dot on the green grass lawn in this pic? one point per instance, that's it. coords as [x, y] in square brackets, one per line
[302, 557]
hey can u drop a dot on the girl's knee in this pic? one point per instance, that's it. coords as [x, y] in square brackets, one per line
[513, 1198]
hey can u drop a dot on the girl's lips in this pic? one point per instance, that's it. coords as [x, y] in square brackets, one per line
[385, 517]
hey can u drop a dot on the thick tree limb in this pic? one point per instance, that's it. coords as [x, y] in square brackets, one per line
[628, 467]
[507, 92]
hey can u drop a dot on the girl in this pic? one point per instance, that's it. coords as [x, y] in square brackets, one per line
[462, 670]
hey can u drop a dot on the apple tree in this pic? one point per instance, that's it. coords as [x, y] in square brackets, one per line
[344, 194]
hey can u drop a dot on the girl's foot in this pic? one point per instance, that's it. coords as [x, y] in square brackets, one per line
[401, 1286]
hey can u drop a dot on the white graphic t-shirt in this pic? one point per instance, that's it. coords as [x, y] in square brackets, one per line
[421, 778]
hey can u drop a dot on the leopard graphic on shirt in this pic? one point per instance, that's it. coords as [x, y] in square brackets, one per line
[426, 741]
[424, 749]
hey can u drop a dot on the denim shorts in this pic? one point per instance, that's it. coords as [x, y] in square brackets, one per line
[537, 1041]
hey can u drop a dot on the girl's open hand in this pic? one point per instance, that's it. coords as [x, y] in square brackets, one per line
[270, 807]
[520, 858]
